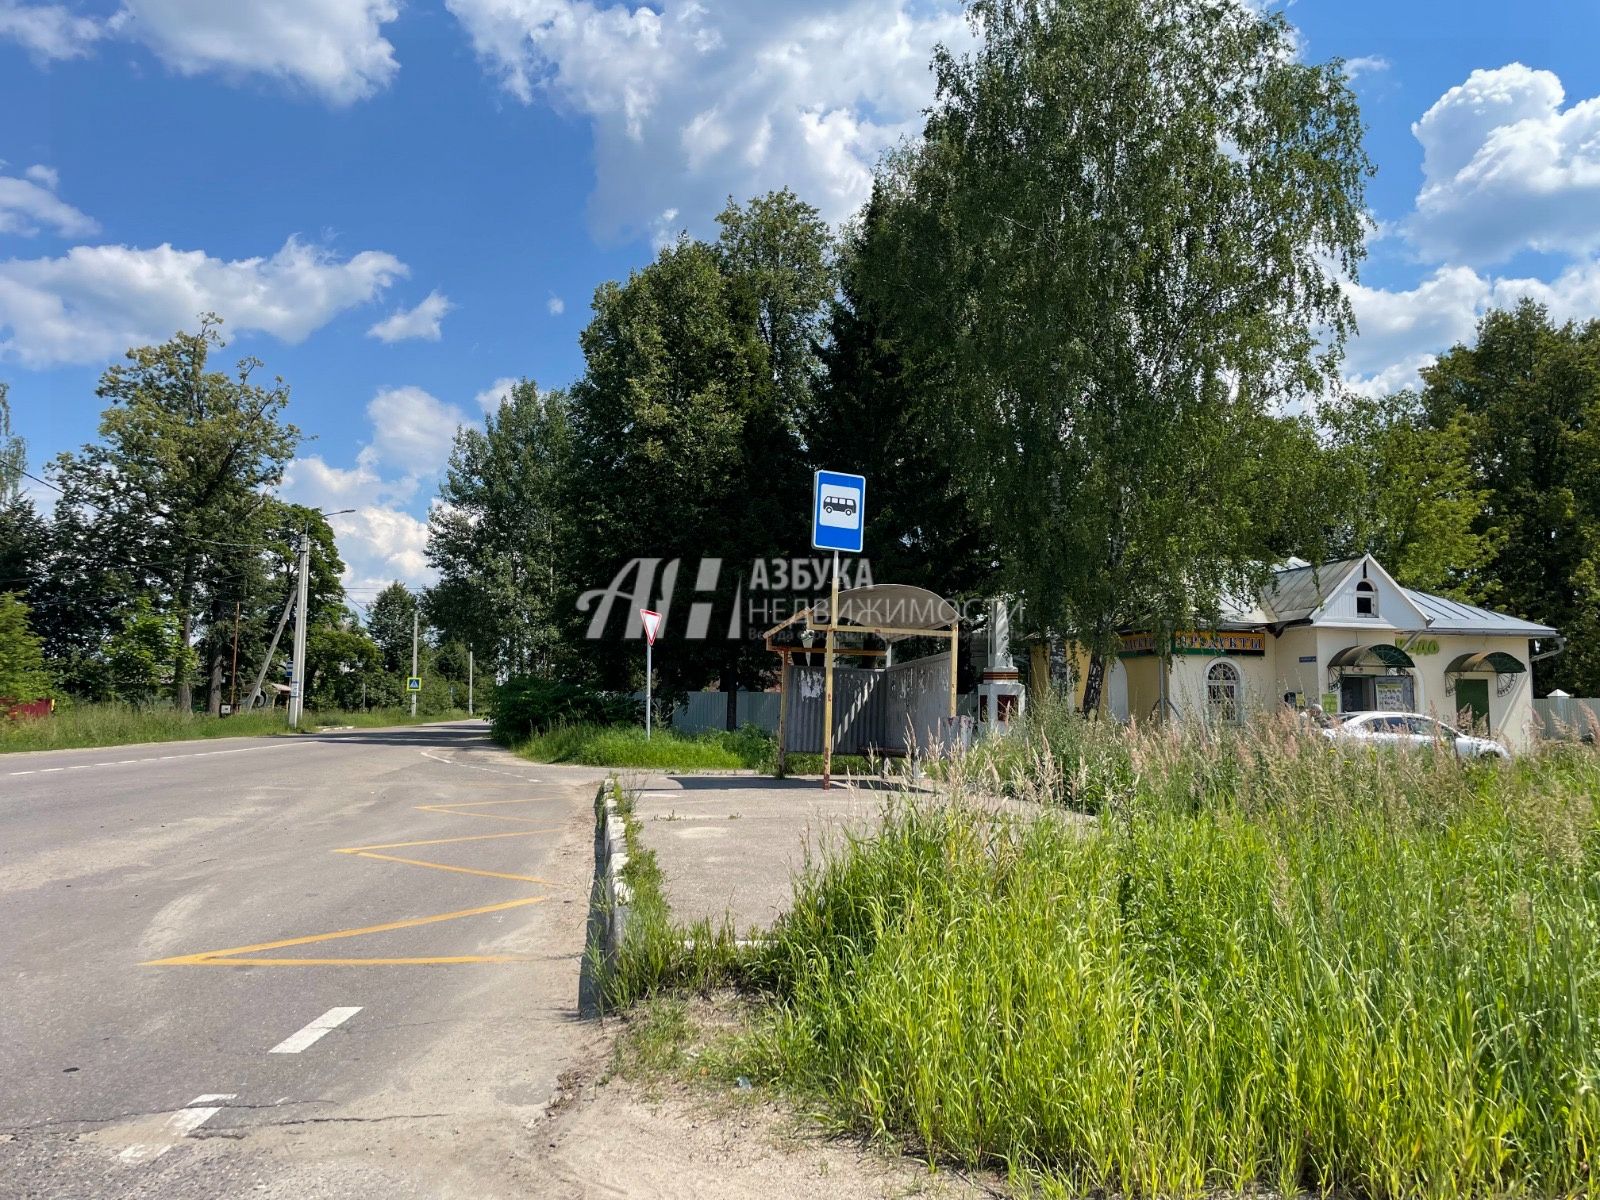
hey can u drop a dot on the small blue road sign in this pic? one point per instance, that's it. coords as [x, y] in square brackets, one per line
[838, 511]
[414, 684]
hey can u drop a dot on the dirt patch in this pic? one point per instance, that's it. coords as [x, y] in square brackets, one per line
[670, 1139]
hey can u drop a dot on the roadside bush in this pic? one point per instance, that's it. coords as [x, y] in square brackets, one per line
[525, 705]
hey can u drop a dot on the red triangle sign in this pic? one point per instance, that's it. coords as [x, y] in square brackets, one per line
[652, 624]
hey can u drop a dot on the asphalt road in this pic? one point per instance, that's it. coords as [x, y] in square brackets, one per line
[342, 965]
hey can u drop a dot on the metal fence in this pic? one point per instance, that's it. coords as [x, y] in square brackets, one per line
[1568, 716]
[709, 710]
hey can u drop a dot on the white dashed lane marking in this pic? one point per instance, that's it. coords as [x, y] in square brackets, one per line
[124, 762]
[178, 1126]
[315, 1031]
[450, 762]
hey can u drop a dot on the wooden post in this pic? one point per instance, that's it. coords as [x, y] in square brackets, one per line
[783, 709]
[954, 643]
[827, 681]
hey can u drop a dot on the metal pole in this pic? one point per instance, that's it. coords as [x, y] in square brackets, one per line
[272, 648]
[416, 617]
[233, 675]
[827, 681]
[469, 683]
[297, 681]
[783, 710]
[648, 670]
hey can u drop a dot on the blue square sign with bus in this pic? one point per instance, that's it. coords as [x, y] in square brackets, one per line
[838, 511]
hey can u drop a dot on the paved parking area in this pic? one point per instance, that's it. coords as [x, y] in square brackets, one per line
[732, 845]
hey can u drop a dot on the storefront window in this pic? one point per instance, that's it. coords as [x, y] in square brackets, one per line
[1222, 692]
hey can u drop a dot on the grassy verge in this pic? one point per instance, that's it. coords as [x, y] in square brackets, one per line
[88, 725]
[1266, 965]
[658, 956]
[625, 746]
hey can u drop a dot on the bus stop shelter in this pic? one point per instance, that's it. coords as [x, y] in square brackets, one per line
[890, 709]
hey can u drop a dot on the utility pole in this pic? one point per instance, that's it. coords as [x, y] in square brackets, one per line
[272, 648]
[416, 613]
[233, 676]
[297, 682]
[469, 683]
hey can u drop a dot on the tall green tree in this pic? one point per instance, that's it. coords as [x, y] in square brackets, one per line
[682, 449]
[1123, 225]
[1526, 394]
[23, 534]
[867, 416]
[1397, 487]
[780, 251]
[22, 674]
[389, 621]
[179, 476]
[499, 537]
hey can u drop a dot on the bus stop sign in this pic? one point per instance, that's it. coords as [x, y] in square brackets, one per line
[838, 511]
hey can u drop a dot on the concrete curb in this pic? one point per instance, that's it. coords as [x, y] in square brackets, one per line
[611, 847]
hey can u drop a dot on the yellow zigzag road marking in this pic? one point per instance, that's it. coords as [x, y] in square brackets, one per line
[235, 956]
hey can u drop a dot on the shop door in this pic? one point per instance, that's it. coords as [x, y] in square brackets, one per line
[1473, 694]
[1355, 693]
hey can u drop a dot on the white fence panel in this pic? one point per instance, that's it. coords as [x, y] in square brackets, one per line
[1568, 716]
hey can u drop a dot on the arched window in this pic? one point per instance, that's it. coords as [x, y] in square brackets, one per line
[1222, 693]
[1366, 599]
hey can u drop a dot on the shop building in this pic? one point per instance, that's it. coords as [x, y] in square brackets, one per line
[1345, 636]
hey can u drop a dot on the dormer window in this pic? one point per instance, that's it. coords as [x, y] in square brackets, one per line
[1366, 599]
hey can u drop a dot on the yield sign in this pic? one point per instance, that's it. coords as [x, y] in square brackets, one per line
[652, 624]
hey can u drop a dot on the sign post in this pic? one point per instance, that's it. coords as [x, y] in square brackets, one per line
[652, 626]
[838, 519]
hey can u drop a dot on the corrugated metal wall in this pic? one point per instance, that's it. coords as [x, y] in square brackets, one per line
[860, 711]
[917, 697]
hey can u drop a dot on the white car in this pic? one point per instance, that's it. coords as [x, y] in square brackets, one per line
[1409, 729]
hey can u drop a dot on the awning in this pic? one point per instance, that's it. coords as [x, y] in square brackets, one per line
[890, 611]
[1378, 654]
[895, 606]
[1495, 662]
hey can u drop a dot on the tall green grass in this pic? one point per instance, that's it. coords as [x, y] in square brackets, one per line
[83, 725]
[665, 750]
[1264, 964]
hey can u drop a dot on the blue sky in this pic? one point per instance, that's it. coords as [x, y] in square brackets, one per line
[398, 206]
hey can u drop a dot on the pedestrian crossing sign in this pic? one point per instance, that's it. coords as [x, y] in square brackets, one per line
[414, 683]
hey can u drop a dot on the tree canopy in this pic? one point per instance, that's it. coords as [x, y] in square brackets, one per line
[1124, 227]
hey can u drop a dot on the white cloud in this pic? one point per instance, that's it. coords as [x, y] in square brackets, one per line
[30, 204]
[555, 306]
[419, 322]
[1506, 168]
[51, 31]
[1405, 331]
[334, 48]
[379, 545]
[1365, 64]
[93, 302]
[489, 399]
[706, 98]
[412, 430]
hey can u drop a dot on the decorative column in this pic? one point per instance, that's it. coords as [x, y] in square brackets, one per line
[1001, 696]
